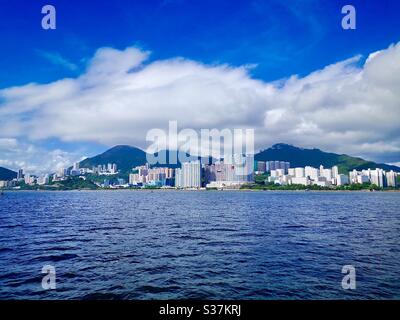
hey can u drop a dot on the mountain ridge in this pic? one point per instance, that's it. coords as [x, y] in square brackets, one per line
[7, 174]
[127, 157]
[298, 157]
[124, 156]
[133, 157]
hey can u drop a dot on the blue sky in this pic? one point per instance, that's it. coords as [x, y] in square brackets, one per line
[277, 38]
[281, 37]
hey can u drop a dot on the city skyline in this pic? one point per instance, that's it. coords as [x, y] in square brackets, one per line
[232, 172]
[64, 97]
[189, 157]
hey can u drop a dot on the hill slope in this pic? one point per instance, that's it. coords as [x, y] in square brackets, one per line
[299, 157]
[6, 174]
[125, 157]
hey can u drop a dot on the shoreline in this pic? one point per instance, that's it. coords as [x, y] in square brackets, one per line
[199, 190]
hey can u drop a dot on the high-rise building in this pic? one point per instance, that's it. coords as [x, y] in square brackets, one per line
[312, 173]
[342, 179]
[273, 165]
[335, 172]
[326, 173]
[362, 179]
[152, 176]
[189, 175]
[241, 167]
[391, 179]
[261, 166]
[43, 180]
[29, 179]
[299, 172]
[20, 174]
[378, 178]
[364, 176]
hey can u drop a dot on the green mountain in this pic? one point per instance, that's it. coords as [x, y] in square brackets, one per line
[125, 157]
[299, 157]
[6, 174]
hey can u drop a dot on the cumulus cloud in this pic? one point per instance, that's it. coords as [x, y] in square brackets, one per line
[348, 107]
[34, 159]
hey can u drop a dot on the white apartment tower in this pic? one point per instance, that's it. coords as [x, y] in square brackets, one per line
[189, 175]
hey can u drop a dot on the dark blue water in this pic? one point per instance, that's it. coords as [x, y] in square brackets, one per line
[215, 245]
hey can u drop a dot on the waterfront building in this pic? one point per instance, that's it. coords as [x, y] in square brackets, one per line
[189, 175]
[231, 172]
[61, 172]
[103, 170]
[362, 179]
[312, 173]
[342, 180]
[8, 184]
[326, 177]
[43, 180]
[280, 172]
[300, 172]
[391, 179]
[276, 164]
[326, 173]
[75, 172]
[300, 180]
[28, 179]
[178, 178]
[261, 167]
[363, 176]
[335, 172]
[378, 178]
[321, 181]
[135, 179]
[151, 176]
[20, 174]
[323, 177]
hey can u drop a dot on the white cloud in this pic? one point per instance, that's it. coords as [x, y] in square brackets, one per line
[343, 108]
[8, 143]
[33, 159]
[346, 107]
